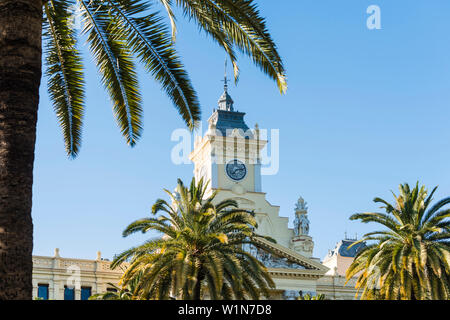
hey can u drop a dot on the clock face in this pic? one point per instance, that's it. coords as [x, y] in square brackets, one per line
[236, 170]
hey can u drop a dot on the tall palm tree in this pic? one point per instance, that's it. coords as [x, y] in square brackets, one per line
[410, 259]
[119, 32]
[200, 253]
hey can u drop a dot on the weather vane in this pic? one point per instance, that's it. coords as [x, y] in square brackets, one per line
[225, 80]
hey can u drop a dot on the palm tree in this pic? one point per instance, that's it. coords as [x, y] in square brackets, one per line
[200, 253]
[411, 258]
[118, 293]
[118, 33]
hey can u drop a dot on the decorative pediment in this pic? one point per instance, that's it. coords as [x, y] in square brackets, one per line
[280, 257]
[271, 260]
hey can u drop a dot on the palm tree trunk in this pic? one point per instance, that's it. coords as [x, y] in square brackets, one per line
[198, 287]
[20, 75]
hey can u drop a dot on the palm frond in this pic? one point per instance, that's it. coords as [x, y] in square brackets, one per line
[238, 24]
[64, 72]
[115, 63]
[148, 38]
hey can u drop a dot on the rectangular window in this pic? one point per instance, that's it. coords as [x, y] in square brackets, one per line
[69, 293]
[86, 292]
[43, 291]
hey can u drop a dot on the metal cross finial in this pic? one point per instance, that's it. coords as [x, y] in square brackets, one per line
[225, 80]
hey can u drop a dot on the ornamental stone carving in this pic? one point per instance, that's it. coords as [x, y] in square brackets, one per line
[301, 205]
[290, 294]
[301, 241]
[301, 222]
[270, 260]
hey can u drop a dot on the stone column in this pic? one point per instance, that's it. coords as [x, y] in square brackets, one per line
[51, 290]
[77, 293]
[58, 290]
[35, 290]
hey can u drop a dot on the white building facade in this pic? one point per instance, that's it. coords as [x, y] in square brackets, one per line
[57, 278]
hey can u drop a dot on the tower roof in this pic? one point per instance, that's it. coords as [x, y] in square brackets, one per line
[225, 101]
[225, 119]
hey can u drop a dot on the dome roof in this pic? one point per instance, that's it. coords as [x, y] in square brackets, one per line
[343, 248]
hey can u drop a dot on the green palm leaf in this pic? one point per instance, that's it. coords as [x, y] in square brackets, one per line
[120, 31]
[64, 72]
[148, 38]
[238, 23]
[115, 64]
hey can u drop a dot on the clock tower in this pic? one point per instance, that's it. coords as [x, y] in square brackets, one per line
[229, 153]
[229, 157]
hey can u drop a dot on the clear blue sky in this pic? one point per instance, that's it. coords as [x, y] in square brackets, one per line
[365, 111]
